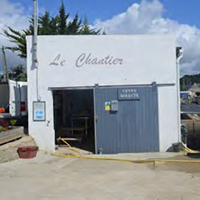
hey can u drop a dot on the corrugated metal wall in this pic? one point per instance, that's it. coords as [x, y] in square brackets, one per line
[134, 127]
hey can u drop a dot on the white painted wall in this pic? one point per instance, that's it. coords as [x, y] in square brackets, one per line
[168, 126]
[140, 60]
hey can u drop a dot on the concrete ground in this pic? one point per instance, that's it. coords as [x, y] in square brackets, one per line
[8, 151]
[47, 177]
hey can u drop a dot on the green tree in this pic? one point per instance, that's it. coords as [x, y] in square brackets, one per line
[19, 39]
[44, 21]
[17, 73]
[73, 27]
[188, 80]
[47, 25]
[53, 25]
[86, 29]
[62, 20]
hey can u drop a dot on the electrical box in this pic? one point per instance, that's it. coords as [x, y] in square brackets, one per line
[114, 105]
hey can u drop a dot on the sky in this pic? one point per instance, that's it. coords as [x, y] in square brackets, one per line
[126, 17]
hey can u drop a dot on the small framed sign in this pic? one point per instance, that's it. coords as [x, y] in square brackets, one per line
[39, 111]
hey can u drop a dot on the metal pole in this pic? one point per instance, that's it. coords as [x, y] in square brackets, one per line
[5, 69]
[35, 60]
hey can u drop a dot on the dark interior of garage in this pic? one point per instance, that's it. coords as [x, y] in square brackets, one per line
[74, 118]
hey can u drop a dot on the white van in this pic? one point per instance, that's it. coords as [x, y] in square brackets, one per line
[13, 99]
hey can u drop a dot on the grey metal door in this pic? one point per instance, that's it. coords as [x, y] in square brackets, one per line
[126, 119]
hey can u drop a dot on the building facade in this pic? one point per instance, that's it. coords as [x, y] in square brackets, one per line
[124, 88]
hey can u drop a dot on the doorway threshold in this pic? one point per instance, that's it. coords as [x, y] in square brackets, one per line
[64, 150]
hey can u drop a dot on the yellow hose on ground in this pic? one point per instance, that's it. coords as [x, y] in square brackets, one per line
[124, 159]
[69, 145]
[188, 150]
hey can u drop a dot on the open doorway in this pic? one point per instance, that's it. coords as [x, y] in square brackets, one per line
[74, 118]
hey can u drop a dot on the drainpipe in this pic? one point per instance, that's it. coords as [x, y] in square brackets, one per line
[179, 55]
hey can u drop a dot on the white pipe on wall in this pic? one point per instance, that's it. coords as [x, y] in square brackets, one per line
[178, 92]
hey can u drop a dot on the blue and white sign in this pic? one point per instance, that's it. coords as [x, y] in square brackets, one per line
[39, 111]
[128, 94]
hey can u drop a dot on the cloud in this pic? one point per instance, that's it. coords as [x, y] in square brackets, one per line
[147, 18]
[11, 14]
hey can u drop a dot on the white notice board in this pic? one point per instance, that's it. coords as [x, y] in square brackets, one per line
[39, 111]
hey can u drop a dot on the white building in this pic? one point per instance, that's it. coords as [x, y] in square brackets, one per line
[124, 88]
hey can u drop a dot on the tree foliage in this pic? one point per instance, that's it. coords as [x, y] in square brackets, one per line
[62, 18]
[19, 40]
[16, 73]
[188, 80]
[61, 24]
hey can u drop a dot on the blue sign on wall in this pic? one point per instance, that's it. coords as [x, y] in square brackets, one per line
[39, 112]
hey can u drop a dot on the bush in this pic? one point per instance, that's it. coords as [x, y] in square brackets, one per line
[4, 125]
